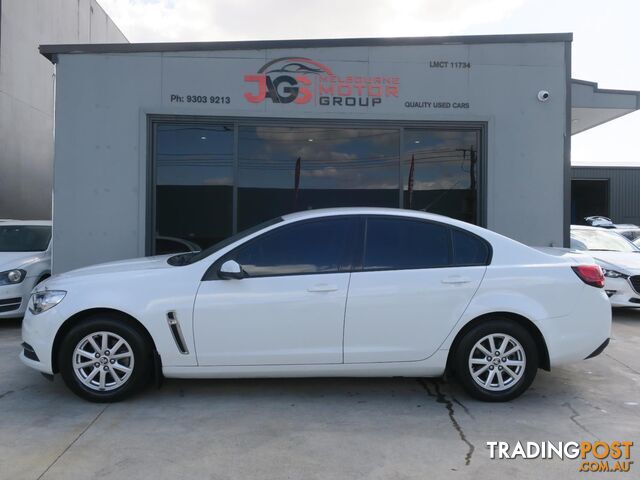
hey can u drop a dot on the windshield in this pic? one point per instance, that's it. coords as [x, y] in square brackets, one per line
[632, 235]
[192, 257]
[601, 240]
[24, 238]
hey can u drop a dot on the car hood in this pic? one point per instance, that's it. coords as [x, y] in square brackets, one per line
[121, 266]
[11, 260]
[628, 262]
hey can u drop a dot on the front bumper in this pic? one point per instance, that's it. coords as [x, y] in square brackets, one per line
[14, 299]
[39, 332]
[621, 293]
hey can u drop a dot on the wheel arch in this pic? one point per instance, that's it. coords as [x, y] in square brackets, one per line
[536, 334]
[43, 276]
[78, 317]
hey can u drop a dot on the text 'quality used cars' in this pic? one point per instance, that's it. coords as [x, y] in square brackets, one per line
[336, 292]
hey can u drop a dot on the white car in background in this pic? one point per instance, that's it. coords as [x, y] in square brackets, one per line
[628, 230]
[619, 259]
[25, 260]
[336, 292]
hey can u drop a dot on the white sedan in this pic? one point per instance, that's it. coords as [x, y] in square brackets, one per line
[619, 259]
[25, 260]
[336, 292]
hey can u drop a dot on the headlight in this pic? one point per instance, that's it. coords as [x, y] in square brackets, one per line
[44, 300]
[613, 274]
[11, 277]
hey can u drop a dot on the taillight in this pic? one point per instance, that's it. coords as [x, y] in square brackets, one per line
[590, 274]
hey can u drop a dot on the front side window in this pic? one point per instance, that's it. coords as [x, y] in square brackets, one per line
[320, 246]
[24, 238]
[397, 244]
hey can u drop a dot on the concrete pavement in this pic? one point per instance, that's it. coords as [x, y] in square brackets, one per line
[314, 428]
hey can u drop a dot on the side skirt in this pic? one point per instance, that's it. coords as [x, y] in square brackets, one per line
[434, 366]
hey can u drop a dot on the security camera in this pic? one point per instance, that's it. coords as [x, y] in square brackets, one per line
[543, 95]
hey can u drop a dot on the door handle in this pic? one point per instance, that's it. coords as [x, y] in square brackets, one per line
[456, 280]
[323, 287]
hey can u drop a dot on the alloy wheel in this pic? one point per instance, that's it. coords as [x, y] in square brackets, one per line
[497, 362]
[103, 361]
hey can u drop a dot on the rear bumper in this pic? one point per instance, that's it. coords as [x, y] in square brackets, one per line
[599, 350]
[583, 333]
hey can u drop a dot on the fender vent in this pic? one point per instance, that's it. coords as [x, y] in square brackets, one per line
[174, 326]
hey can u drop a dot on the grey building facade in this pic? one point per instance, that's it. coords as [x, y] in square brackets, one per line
[158, 144]
[27, 94]
[610, 191]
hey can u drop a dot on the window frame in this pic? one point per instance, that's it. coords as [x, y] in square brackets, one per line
[349, 253]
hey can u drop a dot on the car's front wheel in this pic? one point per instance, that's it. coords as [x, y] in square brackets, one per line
[496, 360]
[104, 359]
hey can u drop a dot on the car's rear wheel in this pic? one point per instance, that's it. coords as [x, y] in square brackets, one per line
[104, 359]
[496, 360]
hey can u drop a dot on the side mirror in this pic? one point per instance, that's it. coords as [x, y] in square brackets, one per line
[231, 269]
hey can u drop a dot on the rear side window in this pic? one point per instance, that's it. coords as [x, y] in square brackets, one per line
[468, 249]
[396, 244]
[320, 246]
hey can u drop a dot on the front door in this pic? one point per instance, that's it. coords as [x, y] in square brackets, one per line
[289, 309]
[417, 279]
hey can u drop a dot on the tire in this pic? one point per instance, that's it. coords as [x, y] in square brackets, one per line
[105, 375]
[481, 373]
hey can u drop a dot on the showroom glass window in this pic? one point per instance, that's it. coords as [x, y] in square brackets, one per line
[440, 172]
[287, 169]
[215, 178]
[194, 185]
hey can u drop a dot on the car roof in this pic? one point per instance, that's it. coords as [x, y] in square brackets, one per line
[398, 212]
[26, 222]
[588, 227]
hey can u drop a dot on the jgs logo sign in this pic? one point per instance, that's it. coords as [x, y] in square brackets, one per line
[302, 80]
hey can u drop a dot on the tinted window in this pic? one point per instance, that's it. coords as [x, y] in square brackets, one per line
[440, 171]
[468, 249]
[194, 184]
[309, 247]
[399, 244]
[289, 169]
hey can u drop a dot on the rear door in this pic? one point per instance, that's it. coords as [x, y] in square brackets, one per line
[416, 279]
